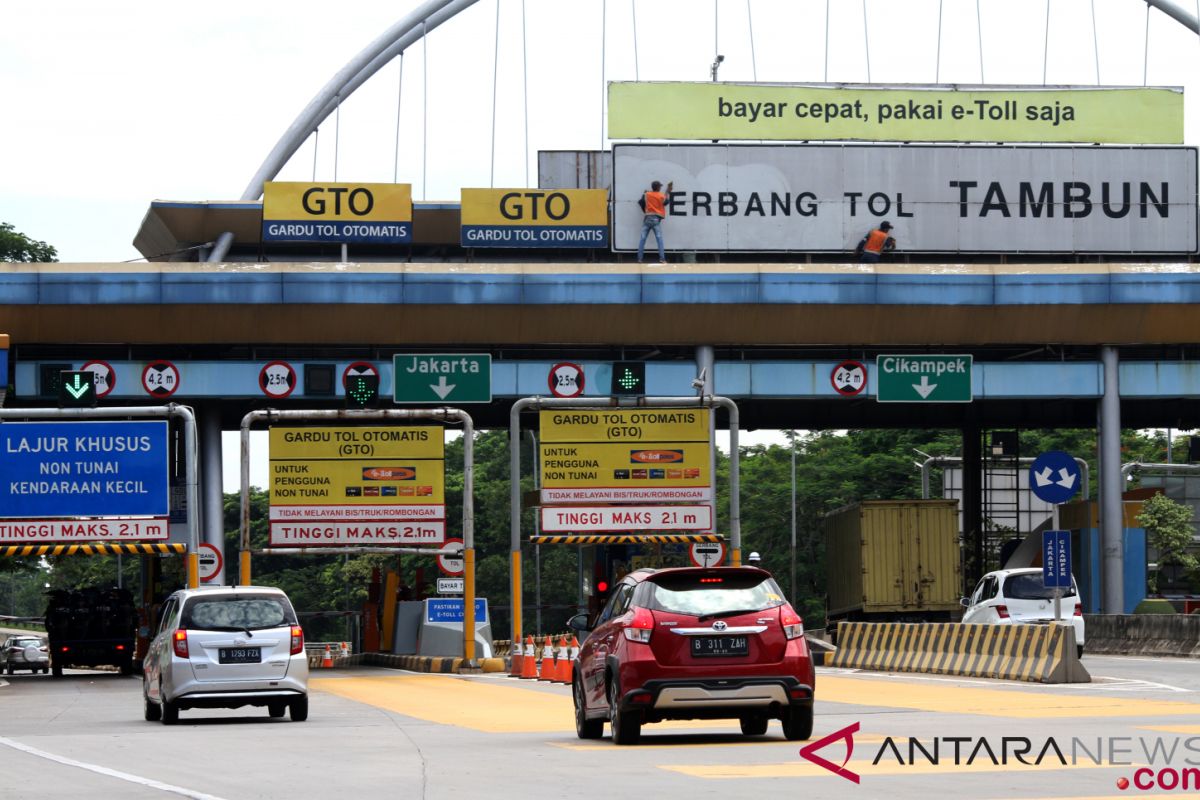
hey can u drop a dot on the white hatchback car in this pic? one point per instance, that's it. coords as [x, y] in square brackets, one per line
[226, 647]
[1016, 596]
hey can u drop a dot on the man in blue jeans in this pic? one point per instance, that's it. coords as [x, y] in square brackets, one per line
[654, 204]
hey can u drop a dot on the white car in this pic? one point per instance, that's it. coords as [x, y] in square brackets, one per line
[226, 647]
[1016, 596]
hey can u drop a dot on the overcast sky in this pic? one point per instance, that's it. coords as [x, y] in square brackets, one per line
[112, 105]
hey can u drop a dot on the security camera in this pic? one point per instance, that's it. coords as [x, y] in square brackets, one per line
[698, 381]
[720, 58]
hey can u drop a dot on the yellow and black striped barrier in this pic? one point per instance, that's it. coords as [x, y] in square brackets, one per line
[91, 549]
[1038, 653]
[627, 538]
[439, 664]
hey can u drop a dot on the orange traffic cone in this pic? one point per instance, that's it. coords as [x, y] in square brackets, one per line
[327, 659]
[563, 667]
[345, 649]
[517, 656]
[568, 674]
[546, 666]
[528, 663]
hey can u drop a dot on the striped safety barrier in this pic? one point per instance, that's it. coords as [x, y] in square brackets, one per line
[91, 549]
[627, 538]
[1038, 653]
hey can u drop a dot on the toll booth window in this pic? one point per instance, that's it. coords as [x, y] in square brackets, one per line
[237, 613]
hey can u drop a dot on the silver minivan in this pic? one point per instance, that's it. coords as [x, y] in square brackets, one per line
[226, 647]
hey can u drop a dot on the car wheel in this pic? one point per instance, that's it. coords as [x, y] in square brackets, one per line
[626, 728]
[127, 668]
[754, 726]
[298, 709]
[276, 709]
[798, 723]
[151, 711]
[10, 669]
[584, 728]
[1079, 651]
[57, 670]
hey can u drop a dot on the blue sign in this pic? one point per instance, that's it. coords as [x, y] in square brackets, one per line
[1054, 477]
[83, 469]
[450, 609]
[1056, 559]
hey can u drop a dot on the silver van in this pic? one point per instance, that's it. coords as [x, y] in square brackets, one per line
[226, 647]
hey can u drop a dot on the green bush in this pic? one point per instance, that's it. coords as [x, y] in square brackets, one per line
[1155, 606]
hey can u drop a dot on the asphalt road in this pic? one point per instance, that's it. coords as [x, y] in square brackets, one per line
[377, 733]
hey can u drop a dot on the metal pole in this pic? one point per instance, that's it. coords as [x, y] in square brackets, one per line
[1111, 523]
[950, 461]
[537, 548]
[213, 518]
[793, 583]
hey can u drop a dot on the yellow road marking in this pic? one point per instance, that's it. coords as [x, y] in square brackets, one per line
[1190, 730]
[947, 698]
[803, 769]
[650, 741]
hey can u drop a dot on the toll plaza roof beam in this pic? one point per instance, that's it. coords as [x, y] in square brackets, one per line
[441, 414]
[191, 461]
[357, 71]
[539, 403]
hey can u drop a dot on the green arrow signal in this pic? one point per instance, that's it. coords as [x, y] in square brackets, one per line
[79, 389]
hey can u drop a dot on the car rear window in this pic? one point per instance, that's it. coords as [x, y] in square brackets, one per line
[703, 594]
[27, 642]
[242, 612]
[1029, 586]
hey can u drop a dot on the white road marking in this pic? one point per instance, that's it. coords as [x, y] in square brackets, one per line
[112, 773]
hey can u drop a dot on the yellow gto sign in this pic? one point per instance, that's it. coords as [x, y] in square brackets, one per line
[337, 212]
[625, 455]
[1138, 115]
[534, 218]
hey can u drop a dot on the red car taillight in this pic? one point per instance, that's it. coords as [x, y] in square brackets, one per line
[297, 640]
[181, 644]
[1078, 610]
[793, 626]
[1002, 611]
[640, 628]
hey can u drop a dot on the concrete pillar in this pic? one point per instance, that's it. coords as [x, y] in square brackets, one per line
[212, 513]
[1112, 528]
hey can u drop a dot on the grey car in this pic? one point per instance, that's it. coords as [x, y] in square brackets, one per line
[226, 647]
[25, 652]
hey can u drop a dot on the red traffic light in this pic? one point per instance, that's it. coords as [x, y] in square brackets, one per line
[601, 586]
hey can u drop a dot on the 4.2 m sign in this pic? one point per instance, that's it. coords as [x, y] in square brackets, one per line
[924, 378]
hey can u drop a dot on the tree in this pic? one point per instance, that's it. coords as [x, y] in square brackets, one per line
[1169, 526]
[16, 246]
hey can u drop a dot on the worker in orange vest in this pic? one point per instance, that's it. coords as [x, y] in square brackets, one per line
[875, 244]
[654, 206]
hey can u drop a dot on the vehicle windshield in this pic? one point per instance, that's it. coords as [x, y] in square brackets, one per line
[1029, 586]
[26, 642]
[243, 612]
[708, 595]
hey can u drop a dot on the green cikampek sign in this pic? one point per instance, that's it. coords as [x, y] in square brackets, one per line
[923, 379]
[450, 378]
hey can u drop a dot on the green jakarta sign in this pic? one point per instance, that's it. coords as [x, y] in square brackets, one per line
[923, 379]
[442, 378]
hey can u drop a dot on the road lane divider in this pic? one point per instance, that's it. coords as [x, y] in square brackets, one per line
[1036, 653]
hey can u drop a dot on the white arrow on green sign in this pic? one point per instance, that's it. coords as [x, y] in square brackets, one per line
[441, 378]
[923, 379]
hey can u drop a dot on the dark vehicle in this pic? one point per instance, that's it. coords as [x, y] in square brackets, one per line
[24, 652]
[91, 628]
[719, 643]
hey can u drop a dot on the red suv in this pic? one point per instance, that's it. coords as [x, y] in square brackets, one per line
[719, 643]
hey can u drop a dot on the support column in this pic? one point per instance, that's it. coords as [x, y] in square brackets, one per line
[212, 500]
[704, 368]
[972, 504]
[1112, 533]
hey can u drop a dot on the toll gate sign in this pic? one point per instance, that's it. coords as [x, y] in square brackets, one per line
[51, 471]
[375, 213]
[357, 486]
[648, 455]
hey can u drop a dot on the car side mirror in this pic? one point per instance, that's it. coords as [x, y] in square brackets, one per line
[965, 602]
[579, 622]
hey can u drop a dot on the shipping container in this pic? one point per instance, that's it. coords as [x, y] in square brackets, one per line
[893, 560]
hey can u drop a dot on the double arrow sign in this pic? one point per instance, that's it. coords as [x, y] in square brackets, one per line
[1066, 478]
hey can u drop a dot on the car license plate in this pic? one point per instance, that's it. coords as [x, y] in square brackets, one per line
[717, 646]
[239, 655]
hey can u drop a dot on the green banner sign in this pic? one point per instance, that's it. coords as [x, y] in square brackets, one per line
[450, 378]
[1136, 115]
[923, 379]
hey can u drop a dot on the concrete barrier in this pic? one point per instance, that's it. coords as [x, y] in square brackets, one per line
[1143, 634]
[1038, 653]
[444, 665]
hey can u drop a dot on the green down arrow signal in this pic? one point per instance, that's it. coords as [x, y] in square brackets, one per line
[79, 389]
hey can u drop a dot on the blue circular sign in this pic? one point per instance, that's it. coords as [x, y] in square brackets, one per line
[1054, 477]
